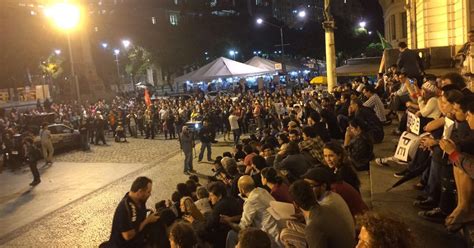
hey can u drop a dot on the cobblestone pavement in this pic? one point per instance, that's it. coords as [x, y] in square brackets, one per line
[131, 152]
[86, 222]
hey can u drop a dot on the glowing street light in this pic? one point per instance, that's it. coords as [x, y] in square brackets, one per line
[362, 24]
[233, 53]
[116, 53]
[126, 43]
[259, 21]
[57, 51]
[302, 14]
[66, 17]
[104, 45]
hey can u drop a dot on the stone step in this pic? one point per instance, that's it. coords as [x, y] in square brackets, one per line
[398, 202]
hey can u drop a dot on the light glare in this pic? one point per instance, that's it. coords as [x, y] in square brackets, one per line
[64, 15]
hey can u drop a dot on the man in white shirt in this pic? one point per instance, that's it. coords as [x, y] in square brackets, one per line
[255, 213]
[46, 144]
[234, 126]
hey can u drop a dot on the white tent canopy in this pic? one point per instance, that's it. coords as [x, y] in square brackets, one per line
[262, 63]
[221, 68]
[267, 64]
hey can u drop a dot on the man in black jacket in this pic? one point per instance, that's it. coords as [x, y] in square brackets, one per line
[206, 136]
[410, 63]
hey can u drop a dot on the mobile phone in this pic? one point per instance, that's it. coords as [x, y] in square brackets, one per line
[411, 81]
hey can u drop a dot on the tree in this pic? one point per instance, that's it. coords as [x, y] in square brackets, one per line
[139, 60]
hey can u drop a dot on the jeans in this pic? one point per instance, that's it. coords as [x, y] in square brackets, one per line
[236, 133]
[434, 179]
[85, 141]
[205, 145]
[34, 170]
[188, 160]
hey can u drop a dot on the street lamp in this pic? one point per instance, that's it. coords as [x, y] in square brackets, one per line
[362, 24]
[260, 21]
[116, 53]
[126, 43]
[57, 52]
[302, 14]
[66, 17]
[104, 45]
[233, 53]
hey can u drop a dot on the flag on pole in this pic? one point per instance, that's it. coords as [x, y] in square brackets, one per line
[385, 43]
[147, 98]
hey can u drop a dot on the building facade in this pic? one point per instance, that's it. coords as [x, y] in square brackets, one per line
[428, 23]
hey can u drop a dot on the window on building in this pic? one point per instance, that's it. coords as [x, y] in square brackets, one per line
[153, 20]
[176, 2]
[174, 19]
[404, 24]
[393, 31]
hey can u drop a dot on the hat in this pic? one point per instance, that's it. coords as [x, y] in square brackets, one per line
[320, 174]
[292, 124]
[429, 88]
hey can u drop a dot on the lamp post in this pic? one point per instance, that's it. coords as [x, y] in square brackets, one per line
[66, 16]
[261, 21]
[116, 53]
[329, 27]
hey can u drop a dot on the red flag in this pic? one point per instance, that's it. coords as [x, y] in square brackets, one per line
[147, 98]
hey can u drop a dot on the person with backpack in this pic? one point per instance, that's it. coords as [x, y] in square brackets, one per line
[32, 155]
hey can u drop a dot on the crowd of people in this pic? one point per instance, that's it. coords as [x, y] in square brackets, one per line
[302, 146]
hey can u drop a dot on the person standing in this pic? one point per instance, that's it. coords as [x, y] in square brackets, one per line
[32, 154]
[132, 124]
[187, 145]
[46, 144]
[206, 137]
[234, 126]
[410, 63]
[100, 125]
[84, 132]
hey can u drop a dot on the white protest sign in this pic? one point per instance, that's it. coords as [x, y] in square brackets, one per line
[407, 142]
[448, 128]
[413, 123]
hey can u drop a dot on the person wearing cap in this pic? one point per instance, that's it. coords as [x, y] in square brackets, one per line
[320, 180]
[322, 226]
[427, 100]
[351, 197]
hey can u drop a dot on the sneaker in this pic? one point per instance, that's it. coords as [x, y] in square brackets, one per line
[425, 204]
[382, 161]
[434, 215]
[400, 174]
[419, 186]
[186, 173]
[36, 182]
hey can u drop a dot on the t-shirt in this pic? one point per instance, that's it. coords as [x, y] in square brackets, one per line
[351, 197]
[326, 229]
[127, 216]
[234, 122]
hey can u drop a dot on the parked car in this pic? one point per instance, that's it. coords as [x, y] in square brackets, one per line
[64, 137]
